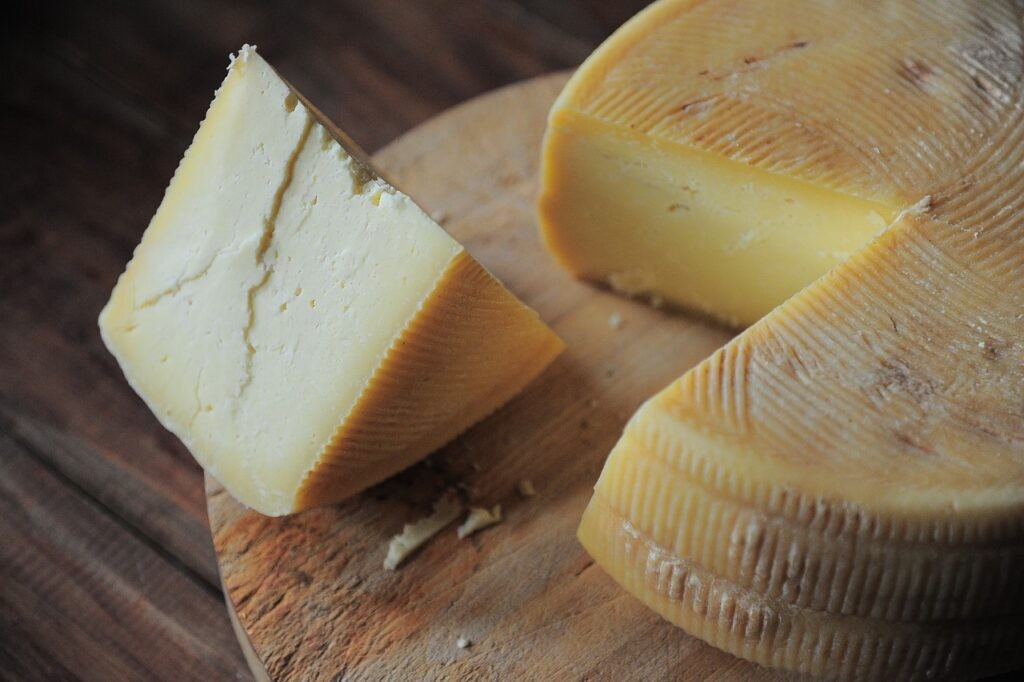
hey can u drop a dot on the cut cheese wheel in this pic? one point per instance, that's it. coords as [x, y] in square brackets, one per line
[303, 327]
[840, 490]
[723, 155]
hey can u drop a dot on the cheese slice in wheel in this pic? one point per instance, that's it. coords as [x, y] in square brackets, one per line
[301, 325]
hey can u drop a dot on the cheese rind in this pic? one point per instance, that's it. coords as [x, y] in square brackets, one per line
[776, 633]
[839, 490]
[302, 326]
[467, 350]
[805, 440]
[858, 484]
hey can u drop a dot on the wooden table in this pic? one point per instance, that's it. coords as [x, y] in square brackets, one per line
[106, 565]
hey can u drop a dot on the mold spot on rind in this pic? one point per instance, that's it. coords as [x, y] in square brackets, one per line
[697, 105]
[894, 375]
[914, 442]
[915, 72]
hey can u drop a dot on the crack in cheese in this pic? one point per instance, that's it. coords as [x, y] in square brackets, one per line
[840, 490]
[303, 327]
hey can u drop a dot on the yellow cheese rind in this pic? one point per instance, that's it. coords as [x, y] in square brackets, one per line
[470, 348]
[775, 633]
[848, 473]
[823, 554]
[283, 289]
[772, 85]
[859, 453]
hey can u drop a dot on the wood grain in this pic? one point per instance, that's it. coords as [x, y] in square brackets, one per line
[310, 590]
[114, 601]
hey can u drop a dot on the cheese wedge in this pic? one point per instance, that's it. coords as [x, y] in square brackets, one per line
[840, 490]
[303, 327]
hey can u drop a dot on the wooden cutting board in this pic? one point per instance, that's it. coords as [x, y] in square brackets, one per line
[310, 592]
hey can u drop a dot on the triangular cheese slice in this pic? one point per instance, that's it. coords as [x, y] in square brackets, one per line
[301, 325]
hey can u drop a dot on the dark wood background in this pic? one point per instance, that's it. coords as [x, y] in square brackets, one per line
[106, 566]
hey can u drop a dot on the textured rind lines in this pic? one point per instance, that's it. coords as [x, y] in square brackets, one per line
[718, 386]
[739, 134]
[882, 281]
[746, 624]
[821, 329]
[987, 216]
[796, 560]
[937, 93]
[811, 326]
[469, 348]
[659, 425]
[788, 404]
[745, 141]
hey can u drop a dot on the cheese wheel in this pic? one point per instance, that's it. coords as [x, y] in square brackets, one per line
[840, 490]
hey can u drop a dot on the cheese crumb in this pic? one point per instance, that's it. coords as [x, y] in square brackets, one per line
[615, 320]
[478, 519]
[242, 56]
[920, 208]
[415, 534]
[525, 488]
[463, 643]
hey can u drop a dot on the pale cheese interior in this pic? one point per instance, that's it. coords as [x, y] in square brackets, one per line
[705, 232]
[273, 278]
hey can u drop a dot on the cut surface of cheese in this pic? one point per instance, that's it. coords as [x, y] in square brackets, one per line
[303, 327]
[839, 490]
[705, 233]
